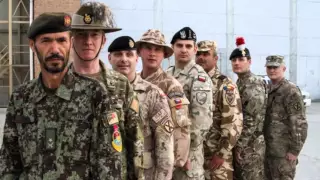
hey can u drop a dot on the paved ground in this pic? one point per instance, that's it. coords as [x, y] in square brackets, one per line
[309, 160]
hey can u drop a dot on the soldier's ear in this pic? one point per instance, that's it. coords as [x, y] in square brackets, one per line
[104, 40]
[32, 45]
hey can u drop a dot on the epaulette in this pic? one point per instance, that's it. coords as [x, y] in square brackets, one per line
[110, 73]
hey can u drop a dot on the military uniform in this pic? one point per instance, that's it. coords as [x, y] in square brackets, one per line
[176, 98]
[157, 129]
[227, 121]
[285, 126]
[251, 143]
[197, 87]
[97, 16]
[158, 157]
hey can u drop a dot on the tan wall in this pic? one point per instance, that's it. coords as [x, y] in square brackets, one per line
[41, 6]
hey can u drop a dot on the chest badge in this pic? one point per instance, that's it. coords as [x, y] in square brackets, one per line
[116, 138]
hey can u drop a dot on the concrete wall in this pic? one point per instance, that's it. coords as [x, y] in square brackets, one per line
[264, 24]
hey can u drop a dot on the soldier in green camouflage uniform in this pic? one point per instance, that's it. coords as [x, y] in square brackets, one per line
[285, 124]
[154, 110]
[197, 86]
[152, 49]
[249, 151]
[89, 25]
[60, 125]
[227, 116]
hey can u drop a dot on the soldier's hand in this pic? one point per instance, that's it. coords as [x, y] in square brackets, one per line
[291, 157]
[187, 166]
[216, 162]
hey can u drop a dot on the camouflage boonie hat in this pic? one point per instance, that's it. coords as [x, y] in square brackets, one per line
[204, 46]
[94, 16]
[275, 60]
[155, 37]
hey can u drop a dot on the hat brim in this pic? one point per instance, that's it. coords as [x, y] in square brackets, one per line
[204, 49]
[105, 29]
[167, 49]
[273, 64]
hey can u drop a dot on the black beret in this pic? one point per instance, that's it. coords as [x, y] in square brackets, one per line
[122, 43]
[185, 33]
[49, 23]
[240, 53]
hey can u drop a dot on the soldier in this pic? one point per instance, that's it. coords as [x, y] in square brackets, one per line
[227, 116]
[286, 125]
[152, 49]
[89, 25]
[59, 125]
[154, 110]
[250, 148]
[198, 88]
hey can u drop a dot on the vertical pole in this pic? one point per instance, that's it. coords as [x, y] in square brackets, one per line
[30, 51]
[293, 41]
[229, 38]
[10, 46]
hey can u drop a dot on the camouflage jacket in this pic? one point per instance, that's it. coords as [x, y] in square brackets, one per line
[227, 117]
[253, 93]
[285, 124]
[198, 89]
[179, 113]
[73, 133]
[158, 128]
[127, 106]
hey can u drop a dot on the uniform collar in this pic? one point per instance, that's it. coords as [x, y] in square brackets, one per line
[138, 84]
[214, 72]
[64, 91]
[152, 77]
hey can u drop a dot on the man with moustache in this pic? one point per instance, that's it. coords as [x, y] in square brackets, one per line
[249, 151]
[227, 116]
[197, 87]
[152, 49]
[90, 24]
[154, 111]
[286, 126]
[60, 125]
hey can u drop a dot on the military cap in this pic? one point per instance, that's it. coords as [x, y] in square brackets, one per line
[241, 50]
[94, 16]
[155, 37]
[185, 33]
[204, 46]
[122, 43]
[49, 23]
[275, 60]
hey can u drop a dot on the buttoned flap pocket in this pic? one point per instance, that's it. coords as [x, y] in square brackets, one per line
[27, 131]
[76, 135]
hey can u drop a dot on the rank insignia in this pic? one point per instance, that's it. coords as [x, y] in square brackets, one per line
[116, 138]
[112, 118]
[87, 18]
[67, 21]
[131, 43]
[202, 78]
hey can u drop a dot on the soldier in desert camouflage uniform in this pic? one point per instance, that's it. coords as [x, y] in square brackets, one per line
[89, 25]
[197, 86]
[249, 151]
[152, 49]
[154, 111]
[285, 124]
[59, 125]
[227, 116]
